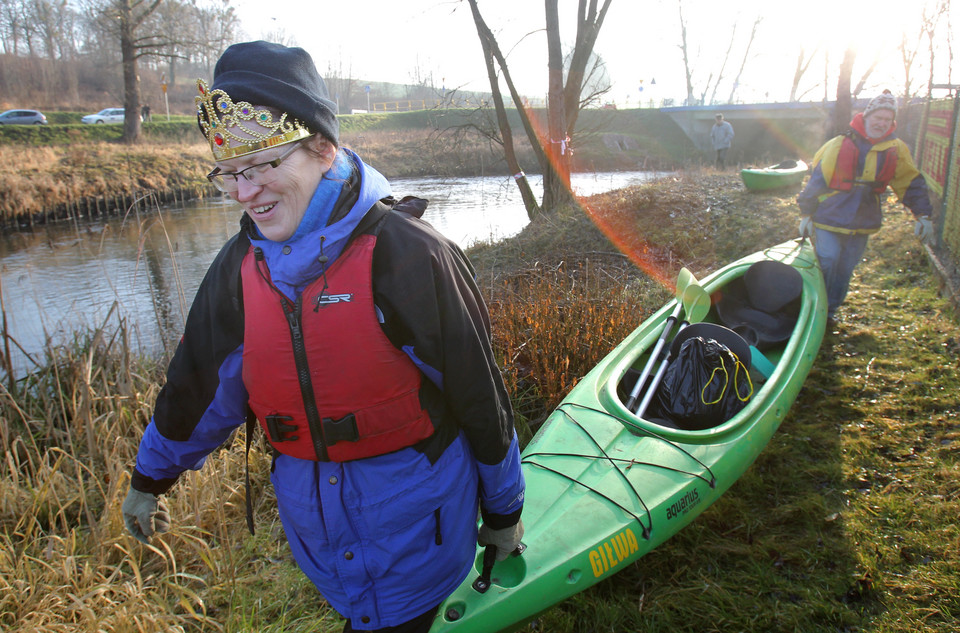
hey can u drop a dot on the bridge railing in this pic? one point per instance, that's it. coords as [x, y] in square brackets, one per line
[408, 105]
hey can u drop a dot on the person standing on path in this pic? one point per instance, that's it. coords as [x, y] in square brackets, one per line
[841, 205]
[721, 136]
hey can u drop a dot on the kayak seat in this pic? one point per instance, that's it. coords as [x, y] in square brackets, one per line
[762, 306]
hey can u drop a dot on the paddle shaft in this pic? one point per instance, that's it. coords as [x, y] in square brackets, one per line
[647, 397]
[653, 357]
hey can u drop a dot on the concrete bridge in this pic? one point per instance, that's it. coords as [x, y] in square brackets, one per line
[766, 133]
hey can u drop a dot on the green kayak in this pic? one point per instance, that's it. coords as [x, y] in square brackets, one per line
[789, 173]
[605, 486]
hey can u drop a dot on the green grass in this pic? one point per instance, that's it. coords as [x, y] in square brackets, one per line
[846, 522]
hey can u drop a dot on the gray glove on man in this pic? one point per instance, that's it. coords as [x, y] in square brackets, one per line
[505, 540]
[924, 230]
[806, 226]
[144, 514]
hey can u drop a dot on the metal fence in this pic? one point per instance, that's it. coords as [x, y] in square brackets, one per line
[937, 154]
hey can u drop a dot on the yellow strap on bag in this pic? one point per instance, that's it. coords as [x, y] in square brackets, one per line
[726, 375]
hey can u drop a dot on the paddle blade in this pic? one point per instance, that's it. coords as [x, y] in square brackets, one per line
[684, 279]
[696, 303]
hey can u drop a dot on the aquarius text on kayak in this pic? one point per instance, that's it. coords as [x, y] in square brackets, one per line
[683, 505]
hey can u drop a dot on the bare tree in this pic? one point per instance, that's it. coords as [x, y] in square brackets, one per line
[556, 175]
[866, 75]
[714, 79]
[909, 48]
[596, 80]
[930, 22]
[564, 99]
[746, 56]
[842, 110]
[491, 52]
[48, 22]
[142, 32]
[565, 96]
[685, 51]
[723, 67]
[340, 83]
[803, 64]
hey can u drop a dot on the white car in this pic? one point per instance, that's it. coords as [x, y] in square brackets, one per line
[22, 117]
[107, 115]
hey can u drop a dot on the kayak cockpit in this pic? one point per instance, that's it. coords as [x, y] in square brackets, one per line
[707, 371]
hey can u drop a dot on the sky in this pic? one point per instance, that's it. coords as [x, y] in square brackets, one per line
[399, 40]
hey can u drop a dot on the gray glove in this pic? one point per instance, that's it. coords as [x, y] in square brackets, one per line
[505, 540]
[806, 226]
[144, 514]
[924, 230]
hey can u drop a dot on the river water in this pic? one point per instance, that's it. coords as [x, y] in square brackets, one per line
[144, 269]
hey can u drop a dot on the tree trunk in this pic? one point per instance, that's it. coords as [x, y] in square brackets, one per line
[842, 111]
[506, 134]
[556, 186]
[131, 77]
[746, 56]
[803, 63]
[691, 100]
[556, 179]
[486, 35]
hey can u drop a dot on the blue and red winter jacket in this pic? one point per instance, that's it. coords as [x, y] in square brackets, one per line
[388, 537]
[849, 174]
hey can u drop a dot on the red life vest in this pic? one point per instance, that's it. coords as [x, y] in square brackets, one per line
[324, 381]
[845, 168]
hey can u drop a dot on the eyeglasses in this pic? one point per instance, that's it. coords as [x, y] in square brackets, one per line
[259, 174]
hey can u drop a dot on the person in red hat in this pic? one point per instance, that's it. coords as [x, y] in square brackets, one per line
[355, 336]
[840, 204]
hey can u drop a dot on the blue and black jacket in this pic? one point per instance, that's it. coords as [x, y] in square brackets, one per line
[384, 538]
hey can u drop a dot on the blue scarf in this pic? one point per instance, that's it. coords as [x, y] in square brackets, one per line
[324, 198]
[291, 273]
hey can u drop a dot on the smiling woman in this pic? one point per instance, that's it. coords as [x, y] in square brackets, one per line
[358, 338]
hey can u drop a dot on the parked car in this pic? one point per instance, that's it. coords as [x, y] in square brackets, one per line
[23, 117]
[107, 115]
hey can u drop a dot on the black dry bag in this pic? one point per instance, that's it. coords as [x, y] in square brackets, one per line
[705, 385]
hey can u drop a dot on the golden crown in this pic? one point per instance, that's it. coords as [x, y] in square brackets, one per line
[218, 114]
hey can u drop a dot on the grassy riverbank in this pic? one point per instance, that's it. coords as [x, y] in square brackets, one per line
[68, 171]
[847, 522]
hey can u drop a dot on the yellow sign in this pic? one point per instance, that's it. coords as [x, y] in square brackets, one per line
[613, 552]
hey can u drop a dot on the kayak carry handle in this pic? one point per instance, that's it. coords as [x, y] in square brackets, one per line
[482, 583]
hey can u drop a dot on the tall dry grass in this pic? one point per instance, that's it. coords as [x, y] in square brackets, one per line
[847, 522]
[70, 432]
[70, 439]
[47, 178]
[553, 323]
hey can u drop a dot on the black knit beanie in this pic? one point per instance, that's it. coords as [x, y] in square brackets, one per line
[268, 74]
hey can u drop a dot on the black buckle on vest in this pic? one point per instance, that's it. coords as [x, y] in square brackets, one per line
[342, 430]
[276, 428]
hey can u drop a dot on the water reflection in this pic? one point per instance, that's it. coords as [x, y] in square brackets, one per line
[145, 269]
